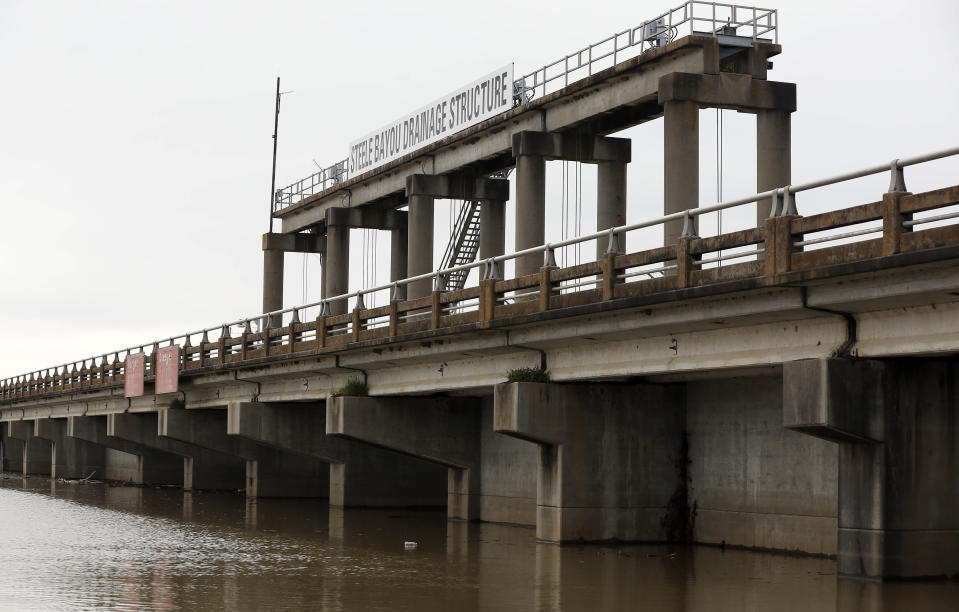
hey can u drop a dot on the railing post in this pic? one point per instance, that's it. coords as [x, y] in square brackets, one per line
[487, 299]
[394, 316]
[892, 219]
[609, 275]
[435, 311]
[546, 287]
[684, 262]
[320, 330]
[355, 331]
[778, 245]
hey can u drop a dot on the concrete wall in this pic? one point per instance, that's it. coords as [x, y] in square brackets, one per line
[753, 482]
[508, 489]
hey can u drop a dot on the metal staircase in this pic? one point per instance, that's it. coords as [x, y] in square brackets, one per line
[463, 245]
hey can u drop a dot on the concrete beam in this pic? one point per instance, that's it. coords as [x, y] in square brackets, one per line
[739, 92]
[369, 218]
[153, 467]
[680, 164]
[840, 400]
[573, 146]
[270, 472]
[360, 475]
[295, 243]
[457, 187]
[611, 458]
[441, 430]
[70, 457]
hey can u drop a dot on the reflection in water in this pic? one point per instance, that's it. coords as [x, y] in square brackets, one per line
[69, 547]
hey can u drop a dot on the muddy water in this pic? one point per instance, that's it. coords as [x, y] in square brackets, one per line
[75, 547]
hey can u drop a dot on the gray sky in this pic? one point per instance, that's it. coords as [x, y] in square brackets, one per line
[135, 136]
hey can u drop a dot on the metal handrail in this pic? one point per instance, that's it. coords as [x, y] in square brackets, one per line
[779, 196]
[693, 17]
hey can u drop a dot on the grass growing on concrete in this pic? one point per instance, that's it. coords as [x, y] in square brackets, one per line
[528, 375]
[353, 386]
[177, 403]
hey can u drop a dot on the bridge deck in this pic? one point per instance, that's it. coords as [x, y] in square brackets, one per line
[607, 285]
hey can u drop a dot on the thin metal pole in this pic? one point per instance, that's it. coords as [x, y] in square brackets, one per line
[276, 125]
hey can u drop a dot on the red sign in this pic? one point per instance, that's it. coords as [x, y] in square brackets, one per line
[168, 369]
[133, 376]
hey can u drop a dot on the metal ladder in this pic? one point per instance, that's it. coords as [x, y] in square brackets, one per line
[463, 245]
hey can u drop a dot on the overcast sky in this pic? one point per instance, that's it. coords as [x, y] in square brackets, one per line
[135, 136]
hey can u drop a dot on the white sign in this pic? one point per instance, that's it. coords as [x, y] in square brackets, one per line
[468, 105]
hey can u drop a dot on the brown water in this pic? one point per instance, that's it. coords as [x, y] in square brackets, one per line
[75, 547]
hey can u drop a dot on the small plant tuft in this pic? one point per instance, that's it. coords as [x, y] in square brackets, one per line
[177, 403]
[528, 375]
[353, 386]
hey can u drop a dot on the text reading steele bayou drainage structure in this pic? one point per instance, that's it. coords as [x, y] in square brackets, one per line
[457, 111]
[790, 385]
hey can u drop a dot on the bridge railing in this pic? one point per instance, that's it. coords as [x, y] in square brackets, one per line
[785, 243]
[714, 19]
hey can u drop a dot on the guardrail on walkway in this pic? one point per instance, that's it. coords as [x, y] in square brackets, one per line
[714, 19]
[775, 249]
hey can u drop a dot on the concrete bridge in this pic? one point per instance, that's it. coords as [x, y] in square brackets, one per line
[788, 387]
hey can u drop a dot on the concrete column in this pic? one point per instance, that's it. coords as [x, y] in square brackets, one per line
[12, 451]
[898, 435]
[441, 430]
[269, 472]
[150, 467]
[273, 281]
[773, 155]
[610, 201]
[399, 252]
[360, 475]
[420, 252]
[611, 458]
[202, 468]
[37, 453]
[530, 210]
[681, 163]
[70, 457]
[492, 228]
[337, 265]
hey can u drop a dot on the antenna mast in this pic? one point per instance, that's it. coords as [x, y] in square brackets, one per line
[276, 125]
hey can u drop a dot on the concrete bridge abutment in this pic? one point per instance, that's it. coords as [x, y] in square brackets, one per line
[897, 428]
[611, 458]
[361, 475]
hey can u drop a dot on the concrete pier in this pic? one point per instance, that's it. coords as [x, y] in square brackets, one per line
[360, 475]
[420, 254]
[611, 458]
[70, 457]
[270, 472]
[898, 436]
[202, 468]
[680, 163]
[337, 265]
[36, 453]
[773, 155]
[440, 430]
[610, 201]
[492, 228]
[144, 466]
[530, 220]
